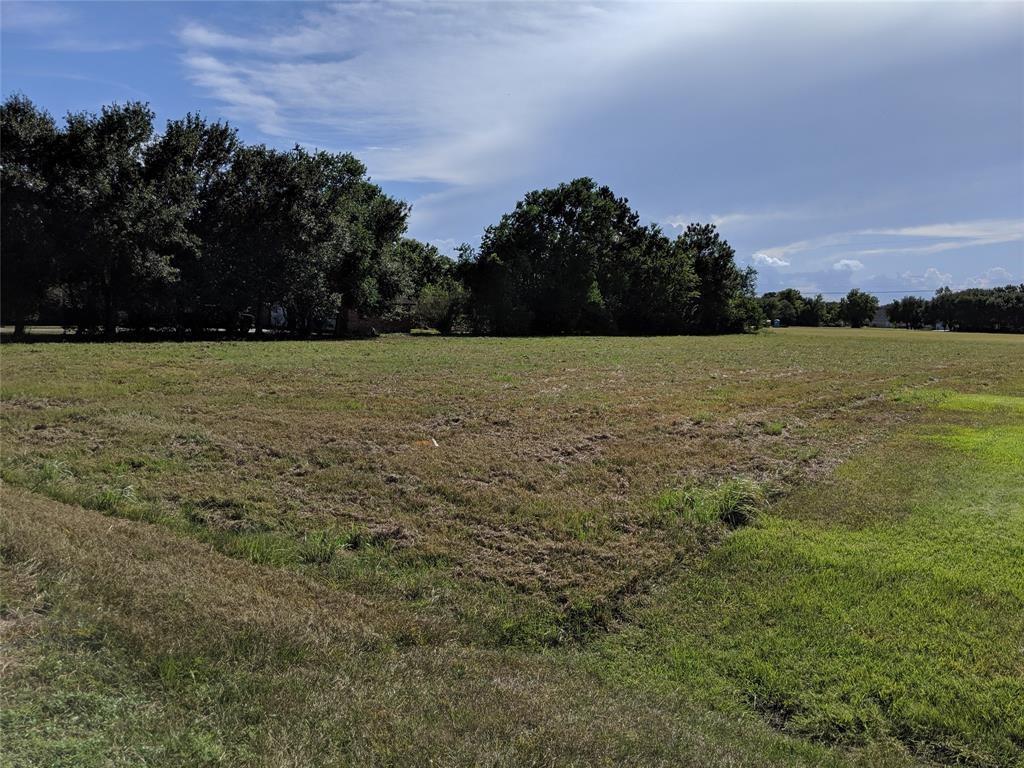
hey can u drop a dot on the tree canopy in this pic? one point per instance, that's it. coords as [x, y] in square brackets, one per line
[858, 308]
[575, 259]
[978, 309]
[790, 307]
[120, 226]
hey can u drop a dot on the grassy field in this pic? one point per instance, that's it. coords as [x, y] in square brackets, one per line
[801, 547]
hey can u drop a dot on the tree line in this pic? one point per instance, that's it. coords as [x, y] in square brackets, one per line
[790, 307]
[190, 229]
[973, 309]
[108, 224]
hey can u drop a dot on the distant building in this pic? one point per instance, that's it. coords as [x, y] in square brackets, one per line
[881, 319]
[397, 320]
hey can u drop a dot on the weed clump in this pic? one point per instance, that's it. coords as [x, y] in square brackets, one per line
[734, 502]
[319, 548]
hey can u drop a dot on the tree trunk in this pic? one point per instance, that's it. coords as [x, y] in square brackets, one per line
[19, 322]
[109, 314]
[258, 318]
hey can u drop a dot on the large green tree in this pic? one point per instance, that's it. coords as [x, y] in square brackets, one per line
[575, 259]
[185, 169]
[27, 154]
[857, 308]
[548, 266]
[726, 293]
[113, 234]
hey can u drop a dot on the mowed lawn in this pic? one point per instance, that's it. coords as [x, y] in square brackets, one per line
[514, 551]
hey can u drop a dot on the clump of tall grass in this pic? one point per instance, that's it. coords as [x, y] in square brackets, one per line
[111, 499]
[51, 474]
[734, 502]
[57, 479]
[320, 547]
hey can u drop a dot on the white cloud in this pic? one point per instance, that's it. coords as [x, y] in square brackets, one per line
[733, 219]
[991, 278]
[931, 279]
[768, 260]
[801, 246]
[851, 265]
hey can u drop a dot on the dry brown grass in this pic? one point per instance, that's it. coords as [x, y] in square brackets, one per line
[550, 451]
[322, 584]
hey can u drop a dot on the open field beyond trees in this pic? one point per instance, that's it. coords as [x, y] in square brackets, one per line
[797, 547]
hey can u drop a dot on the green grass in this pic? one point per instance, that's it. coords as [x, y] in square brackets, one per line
[884, 604]
[799, 548]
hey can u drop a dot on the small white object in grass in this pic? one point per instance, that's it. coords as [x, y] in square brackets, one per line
[434, 442]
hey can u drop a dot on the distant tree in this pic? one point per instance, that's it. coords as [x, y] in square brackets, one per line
[858, 308]
[790, 307]
[368, 273]
[816, 312]
[657, 286]
[786, 306]
[251, 231]
[439, 305]
[432, 292]
[190, 229]
[328, 233]
[909, 311]
[940, 308]
[29, 266]
[979, 309]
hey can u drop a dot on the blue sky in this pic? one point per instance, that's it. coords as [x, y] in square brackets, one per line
[836, 145]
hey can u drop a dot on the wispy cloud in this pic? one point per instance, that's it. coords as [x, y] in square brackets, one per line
[84, 45]
[969, 234]
[57, 28]
[931, 279]
[950, 236]
[33, 16]
[990, 230]
[443, 92]
[782, 252]
[472, 92]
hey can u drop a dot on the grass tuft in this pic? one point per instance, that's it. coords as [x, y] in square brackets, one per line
[734, 502]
